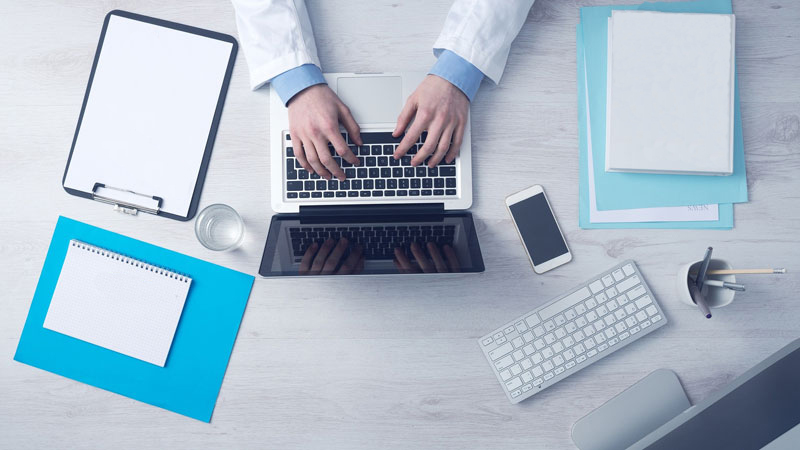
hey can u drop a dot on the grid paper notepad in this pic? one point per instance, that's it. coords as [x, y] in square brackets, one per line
[670, 95]
[118, 303]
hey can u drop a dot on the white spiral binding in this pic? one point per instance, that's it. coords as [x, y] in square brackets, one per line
[131, 261]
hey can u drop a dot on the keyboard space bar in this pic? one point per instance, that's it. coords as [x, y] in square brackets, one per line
[564, 303]
[380, 138]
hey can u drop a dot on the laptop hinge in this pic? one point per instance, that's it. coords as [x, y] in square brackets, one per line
[406, 209]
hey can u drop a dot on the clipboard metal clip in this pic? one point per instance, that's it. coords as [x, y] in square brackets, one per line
[125, 200]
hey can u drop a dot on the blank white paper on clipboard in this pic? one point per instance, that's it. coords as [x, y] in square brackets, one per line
[149, 112]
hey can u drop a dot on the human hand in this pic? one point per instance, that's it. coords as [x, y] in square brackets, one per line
[324, 260]
[433, 264]
[314, 117]
[440, 108]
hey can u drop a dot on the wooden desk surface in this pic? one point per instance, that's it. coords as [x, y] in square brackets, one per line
[392, 362]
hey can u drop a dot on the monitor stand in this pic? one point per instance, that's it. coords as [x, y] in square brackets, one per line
[634, 413]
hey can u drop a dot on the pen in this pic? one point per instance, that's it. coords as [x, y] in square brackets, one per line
[725, 284]
[697, 292]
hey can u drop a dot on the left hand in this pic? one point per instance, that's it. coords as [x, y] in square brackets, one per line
[325, 259]
[440, 108]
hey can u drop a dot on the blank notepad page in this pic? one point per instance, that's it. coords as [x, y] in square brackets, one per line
[118, 303]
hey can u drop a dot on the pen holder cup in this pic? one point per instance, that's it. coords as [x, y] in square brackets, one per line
[715, 297]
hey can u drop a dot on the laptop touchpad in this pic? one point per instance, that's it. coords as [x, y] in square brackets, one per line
[372, 99]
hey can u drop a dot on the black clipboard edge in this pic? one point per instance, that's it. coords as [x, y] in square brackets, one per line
[201, 174]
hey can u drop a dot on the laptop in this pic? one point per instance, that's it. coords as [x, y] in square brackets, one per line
[390, 217]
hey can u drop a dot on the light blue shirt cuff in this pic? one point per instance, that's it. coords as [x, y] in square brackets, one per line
[289, 83]
[458, 71]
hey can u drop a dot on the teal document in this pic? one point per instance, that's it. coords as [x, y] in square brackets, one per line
[725, 220]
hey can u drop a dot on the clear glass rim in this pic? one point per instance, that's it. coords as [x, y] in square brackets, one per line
[204, 212]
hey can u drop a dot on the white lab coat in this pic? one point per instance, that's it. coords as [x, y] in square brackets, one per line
[276, 35]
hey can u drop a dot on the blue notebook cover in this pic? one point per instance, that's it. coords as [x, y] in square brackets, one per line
[190, 381]
[725, 209]
[637, 190]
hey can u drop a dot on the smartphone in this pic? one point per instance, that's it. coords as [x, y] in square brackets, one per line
[537, 228]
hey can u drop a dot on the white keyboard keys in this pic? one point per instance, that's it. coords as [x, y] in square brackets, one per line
[532, 320]
[628, 283]
[564, 303]
[573, 331]
[644, 301]
[506, 361]
[527, 377]
[528, 349]
[500, 351]
[636, 292]
[513, 384]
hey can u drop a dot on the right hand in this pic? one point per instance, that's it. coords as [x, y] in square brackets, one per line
[327, 259]
[314, 117]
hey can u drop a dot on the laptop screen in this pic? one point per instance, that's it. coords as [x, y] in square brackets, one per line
[370, 245]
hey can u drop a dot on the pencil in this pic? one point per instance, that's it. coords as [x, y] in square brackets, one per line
[742, 271]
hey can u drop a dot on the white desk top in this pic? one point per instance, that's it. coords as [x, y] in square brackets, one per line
[393, 361]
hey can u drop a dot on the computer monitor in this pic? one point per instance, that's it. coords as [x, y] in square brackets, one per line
[759, 408]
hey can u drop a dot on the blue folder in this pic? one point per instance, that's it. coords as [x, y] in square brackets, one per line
[190, 381]
[637, 190]
[725, 220]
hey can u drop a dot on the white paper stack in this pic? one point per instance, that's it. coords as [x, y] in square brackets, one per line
[670, 93]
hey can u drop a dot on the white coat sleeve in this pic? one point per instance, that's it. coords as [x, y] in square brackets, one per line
[481, 31]
[276, 36]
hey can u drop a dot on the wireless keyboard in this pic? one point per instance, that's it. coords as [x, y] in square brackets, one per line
[590, 322]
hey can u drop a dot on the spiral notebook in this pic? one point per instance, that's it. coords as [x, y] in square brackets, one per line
[116, 302]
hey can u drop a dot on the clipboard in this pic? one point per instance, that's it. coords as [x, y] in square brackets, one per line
[150, 115]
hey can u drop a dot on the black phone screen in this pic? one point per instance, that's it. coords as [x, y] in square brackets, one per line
[538, 229]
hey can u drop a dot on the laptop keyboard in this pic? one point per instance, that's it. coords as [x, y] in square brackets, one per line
[379, 175]
[378, 242]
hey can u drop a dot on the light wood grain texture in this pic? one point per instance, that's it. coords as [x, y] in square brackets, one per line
[392, 362]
